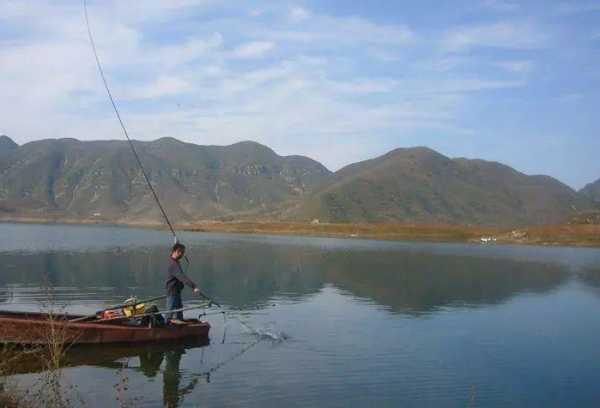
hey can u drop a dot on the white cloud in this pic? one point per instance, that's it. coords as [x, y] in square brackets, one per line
[255, 49]
[333, 32]
[509, 35]
[385, 55]
[501, 5]
[150, 10]
[516, 66]
[577, 7]
[570, 98]
[176, 55]
[162, 86]
[298, 14]
[445, 63]
[334, 83]
[476, 85]
[364, 86]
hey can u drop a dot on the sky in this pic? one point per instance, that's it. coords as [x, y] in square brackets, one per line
[338, 81]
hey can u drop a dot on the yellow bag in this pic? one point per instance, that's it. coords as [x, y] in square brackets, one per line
[138, 309]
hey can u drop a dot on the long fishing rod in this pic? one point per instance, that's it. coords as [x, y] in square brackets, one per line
[114, 105]
[131, 145]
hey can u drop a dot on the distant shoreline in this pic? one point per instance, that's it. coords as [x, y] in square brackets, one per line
[577, 235]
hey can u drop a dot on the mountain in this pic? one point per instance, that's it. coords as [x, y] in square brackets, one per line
[421, 185]
[592, 191]
[100, 180]
[67, 178]
[7, 144]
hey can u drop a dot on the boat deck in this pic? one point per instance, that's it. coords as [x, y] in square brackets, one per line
[40, 328]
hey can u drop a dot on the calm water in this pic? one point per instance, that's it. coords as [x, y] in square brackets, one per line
[327, 322]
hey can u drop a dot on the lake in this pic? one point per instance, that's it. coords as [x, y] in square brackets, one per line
[325, 322]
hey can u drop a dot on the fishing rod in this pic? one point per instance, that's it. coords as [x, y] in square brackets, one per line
[210, 300]
[114, 105]
[130, 142]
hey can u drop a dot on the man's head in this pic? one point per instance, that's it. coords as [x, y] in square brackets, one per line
[177, 251]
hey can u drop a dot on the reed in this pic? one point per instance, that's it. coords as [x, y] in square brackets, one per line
[10, 394]
[50, 389]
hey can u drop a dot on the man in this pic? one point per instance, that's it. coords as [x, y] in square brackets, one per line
[176, 280]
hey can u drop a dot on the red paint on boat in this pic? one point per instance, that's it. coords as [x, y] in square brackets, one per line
[37, 328]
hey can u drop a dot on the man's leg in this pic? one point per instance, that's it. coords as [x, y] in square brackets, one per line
[171, 305]
[179, 306]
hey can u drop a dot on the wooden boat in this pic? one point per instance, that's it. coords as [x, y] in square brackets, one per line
[40, 328]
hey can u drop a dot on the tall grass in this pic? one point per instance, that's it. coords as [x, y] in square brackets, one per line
[10, 394]
[50, 389]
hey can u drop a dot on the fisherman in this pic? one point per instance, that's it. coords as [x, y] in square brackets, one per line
[176, 279]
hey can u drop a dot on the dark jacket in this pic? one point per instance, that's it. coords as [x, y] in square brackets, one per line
[176, 278]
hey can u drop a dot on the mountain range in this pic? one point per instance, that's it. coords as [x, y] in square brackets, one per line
[100, 180]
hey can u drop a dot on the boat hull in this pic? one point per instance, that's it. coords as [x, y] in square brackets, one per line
[39, 328]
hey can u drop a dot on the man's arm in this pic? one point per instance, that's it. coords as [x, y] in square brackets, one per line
[176, 271]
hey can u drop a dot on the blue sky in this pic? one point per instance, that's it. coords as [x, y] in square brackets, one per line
[339, 81]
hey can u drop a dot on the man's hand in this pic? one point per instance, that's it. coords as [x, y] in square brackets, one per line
[196, 290]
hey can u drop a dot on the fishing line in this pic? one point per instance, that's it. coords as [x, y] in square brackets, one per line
[130, 142]
[233, 357]
[260, 337]
[114, 105]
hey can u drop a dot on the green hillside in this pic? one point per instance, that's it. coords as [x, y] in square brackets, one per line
[421, 185]
[100, 179]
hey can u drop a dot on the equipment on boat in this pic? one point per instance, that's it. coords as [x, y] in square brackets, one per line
[131, 302]
[134, 309]
[153, 313]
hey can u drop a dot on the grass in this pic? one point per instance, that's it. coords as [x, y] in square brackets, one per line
[575, 234]
[383, 231]
[10, 395]
[569, 234]
[572, 235]
[49, 390]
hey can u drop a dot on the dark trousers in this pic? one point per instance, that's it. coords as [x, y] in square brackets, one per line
[174, 302]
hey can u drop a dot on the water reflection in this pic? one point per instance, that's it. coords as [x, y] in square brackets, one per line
[6, 295]
[175, 387]
[418, 283]
[344, 305]
[248, 275]
[152, 361]
[590, 277]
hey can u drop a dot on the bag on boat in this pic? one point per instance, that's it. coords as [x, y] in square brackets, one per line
[133, 310]
[155, 319]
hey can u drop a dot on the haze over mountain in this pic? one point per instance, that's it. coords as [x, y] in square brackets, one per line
[592, 191]
[7, 144]
[99, 180]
